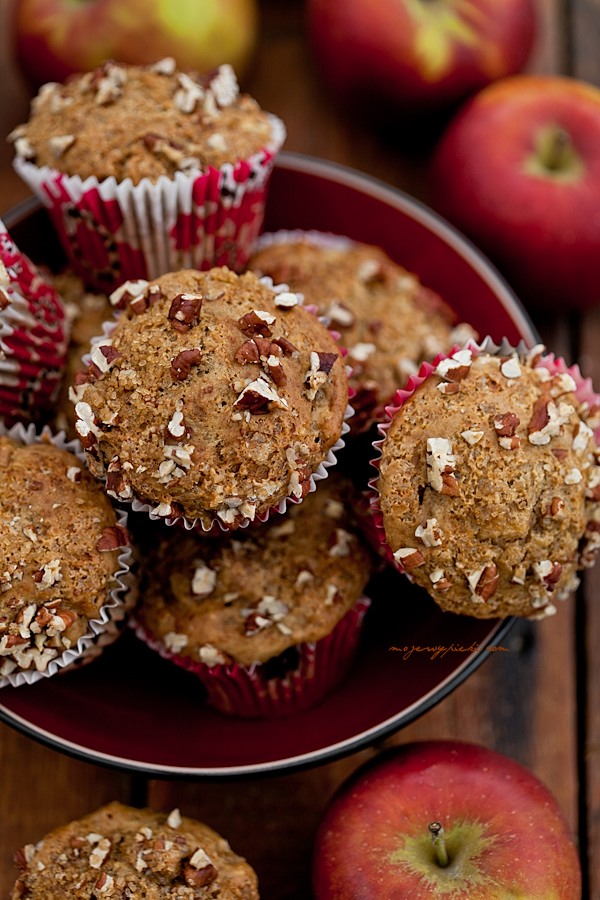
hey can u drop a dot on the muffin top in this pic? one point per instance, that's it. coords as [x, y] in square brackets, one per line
[141, 122]
[59, 545]
[489, 485]
[118, 851]
[213, 398]
[248, 598]
[388, 321]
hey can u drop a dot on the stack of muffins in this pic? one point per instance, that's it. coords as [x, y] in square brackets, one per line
[213, 380]
[211, 384]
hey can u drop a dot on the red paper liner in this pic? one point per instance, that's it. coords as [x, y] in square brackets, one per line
[245, 691]
[33, 338]
[108, 625]
[117, 231]
[372, 524]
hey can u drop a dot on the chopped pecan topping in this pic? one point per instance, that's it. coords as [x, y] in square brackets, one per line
[548, 572]
[455, 367]
[506, 424]
[539, 416]
[247, 353]
[195, 877]
[409, 557]
[128, 291]
[326, 361]
[483, 582]
[184, 312]
[257, 322]
[440, 466]
[113, 537]
[555, 507]
[258, 396]
[181, 365]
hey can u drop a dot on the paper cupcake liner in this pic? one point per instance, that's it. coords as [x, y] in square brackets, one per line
[589, 400]
[113, 232]
[248, 692]
[164, 511]
[33, 337]
[111, 618]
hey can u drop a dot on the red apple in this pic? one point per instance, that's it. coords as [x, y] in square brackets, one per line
[54, 38]
[502, 836]
[518, 171]
[419, 54]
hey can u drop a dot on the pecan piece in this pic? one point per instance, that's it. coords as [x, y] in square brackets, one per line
[539, 416]
[487, 582]
[181, 364]
[184, 312]
[248, 352]
[409, 557]
[113, 537]
[199, 877]
[326, 361]
[506, 424]
[257, 322]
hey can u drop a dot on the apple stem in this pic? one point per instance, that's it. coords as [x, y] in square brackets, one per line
[557, 150]
[438, 840]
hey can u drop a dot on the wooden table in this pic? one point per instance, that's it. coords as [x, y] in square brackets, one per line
[540, 703]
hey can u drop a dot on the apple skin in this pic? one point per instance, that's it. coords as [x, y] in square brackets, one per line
[490, 178]
[386, 806]
[53, 39]
[419, 55]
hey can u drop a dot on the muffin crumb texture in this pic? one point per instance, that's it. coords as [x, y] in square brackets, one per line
[141, 122]
[122, 852]
[59, 544]
[214, 397]
[490, 486]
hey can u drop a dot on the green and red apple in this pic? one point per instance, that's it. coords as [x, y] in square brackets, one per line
[419, 55]
[54, 38]
[444, 820]
[518, 171]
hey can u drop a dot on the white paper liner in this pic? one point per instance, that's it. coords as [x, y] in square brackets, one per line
[115, 231]
[108, 625]
[217, 526]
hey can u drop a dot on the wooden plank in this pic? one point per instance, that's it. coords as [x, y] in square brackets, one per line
[41, 789]
[589, 659]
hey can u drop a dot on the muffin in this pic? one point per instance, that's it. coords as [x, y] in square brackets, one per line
[86, 312]
[213, 399]
[387, 320]
[268, 619]
[146, 169]
[65, 559]
[119, 851]
[33, 337]
[489, 484]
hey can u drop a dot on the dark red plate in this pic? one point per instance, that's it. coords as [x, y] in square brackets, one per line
[131, 709]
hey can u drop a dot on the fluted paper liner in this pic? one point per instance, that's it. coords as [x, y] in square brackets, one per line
[104, 629]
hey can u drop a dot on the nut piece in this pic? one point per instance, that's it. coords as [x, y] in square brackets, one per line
[184, 312]
[483, 582]
[257, 322]
[440, 466]
[181, 364]
[112, 538]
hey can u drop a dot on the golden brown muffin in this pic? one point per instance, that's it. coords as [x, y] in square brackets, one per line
[121, 852]
[214, 397]
[489, 485]
[141, 122]
[388, 321]
[59, 544]
[250, 597]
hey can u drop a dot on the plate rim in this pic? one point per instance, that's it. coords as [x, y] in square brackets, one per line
[432, 221]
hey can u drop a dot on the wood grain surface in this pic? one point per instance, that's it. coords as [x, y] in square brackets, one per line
[539, 702]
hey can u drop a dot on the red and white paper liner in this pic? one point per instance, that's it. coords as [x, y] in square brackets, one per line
[33, 336]
[248, 692]
[117, 231]
[108, 624]
[373, 525]
[169, 513]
